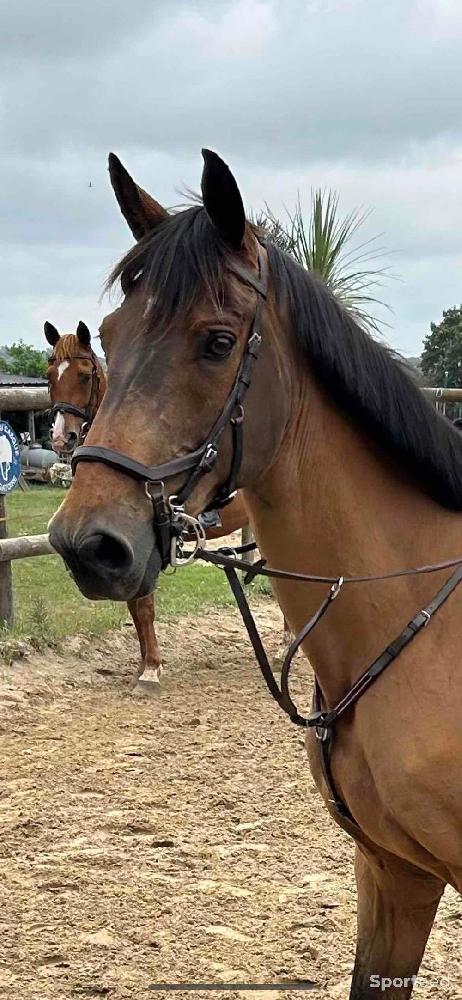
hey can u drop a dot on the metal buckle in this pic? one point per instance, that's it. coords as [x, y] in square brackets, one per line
[157, 491]
[186, 523]
[209, 457]
[427, 617]
[239, 417]
[227, 550]
[254, 343]
[336, 588]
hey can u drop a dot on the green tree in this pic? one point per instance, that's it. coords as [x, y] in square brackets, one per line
[22, 359]
[441, 360]
[326, 243]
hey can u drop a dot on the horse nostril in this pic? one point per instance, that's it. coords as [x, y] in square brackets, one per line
[106, 552]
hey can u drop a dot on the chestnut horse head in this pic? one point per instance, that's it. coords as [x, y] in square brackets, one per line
[77, 384]
[174, 349]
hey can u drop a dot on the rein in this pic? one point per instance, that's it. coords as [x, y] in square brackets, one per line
[171, 523]
[323, 720]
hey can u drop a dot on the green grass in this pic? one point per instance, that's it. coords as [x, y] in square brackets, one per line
[49, 605]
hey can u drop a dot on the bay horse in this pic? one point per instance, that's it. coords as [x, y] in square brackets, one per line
[77, 384]
[346, 469]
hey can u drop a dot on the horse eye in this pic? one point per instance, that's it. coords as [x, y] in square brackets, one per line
[218, 345]
[84, 378]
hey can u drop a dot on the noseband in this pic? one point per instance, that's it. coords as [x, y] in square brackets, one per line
[170, 519]
[86, 413]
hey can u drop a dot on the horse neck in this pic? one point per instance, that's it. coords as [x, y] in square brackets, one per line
[333, 505]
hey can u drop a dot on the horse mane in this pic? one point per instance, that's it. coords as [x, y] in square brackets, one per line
[370, 383]
[69, 346]
[184, 258]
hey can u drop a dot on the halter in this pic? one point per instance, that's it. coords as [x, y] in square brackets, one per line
[86, 413]
[171, 521]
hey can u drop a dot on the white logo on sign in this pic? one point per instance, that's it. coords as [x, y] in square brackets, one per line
[6, 457]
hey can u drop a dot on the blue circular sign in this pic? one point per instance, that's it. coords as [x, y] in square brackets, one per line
[10, 458]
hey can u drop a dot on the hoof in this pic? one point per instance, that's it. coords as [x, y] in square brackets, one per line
[149, 680]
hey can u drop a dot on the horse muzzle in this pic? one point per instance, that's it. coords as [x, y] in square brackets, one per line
[106, 562]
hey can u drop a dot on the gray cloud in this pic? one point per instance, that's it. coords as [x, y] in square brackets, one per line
[360, 96]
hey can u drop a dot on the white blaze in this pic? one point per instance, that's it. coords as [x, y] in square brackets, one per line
[58, 437]
[62, 368]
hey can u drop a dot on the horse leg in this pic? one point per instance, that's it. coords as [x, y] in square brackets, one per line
[397, 904]
[143, 613]
[285, 642]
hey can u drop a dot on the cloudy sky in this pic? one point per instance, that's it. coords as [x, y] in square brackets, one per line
[360, 95]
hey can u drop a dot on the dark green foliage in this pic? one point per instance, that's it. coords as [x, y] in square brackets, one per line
[441, 360]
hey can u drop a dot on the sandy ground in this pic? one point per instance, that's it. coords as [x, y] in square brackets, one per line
[174, 838]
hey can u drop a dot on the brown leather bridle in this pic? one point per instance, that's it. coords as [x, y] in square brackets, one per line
[87, 413]
[171, 524]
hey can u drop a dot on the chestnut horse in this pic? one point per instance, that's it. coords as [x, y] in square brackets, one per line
[346, 469]
[77, 383]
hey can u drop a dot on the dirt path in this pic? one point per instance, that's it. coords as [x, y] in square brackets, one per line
[178, 838]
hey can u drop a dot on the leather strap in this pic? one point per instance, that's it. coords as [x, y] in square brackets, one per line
[260, 283]
[323, 721]
[258, 647]
[202, 460]
[224, 557]
[123, 463]
[326, 744]
[76, 411]
[326, 719]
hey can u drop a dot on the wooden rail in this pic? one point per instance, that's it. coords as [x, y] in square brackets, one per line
[33, 398]
[445, 395]
[23, 398]
[24, 547]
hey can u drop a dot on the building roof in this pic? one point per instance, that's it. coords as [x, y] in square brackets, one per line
[21, 380]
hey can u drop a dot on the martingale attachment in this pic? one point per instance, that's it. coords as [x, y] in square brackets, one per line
[323, 719]
[187, 526]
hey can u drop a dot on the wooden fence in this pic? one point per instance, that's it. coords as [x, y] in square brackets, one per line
[444, 395]
[39, 545]
[14, 398]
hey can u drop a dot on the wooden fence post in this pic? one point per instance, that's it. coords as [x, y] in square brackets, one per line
[246, 537]
[6, 579]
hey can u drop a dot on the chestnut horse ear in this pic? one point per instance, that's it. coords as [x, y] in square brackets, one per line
[222, 199]
[51, 333]
[83, 334]
[142, 212]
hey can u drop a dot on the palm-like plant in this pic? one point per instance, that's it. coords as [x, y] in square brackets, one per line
[326, 245]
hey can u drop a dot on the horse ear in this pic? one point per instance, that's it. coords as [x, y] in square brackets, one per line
[51, 333]
[222, 199]
[83, 334]
[142, 212]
